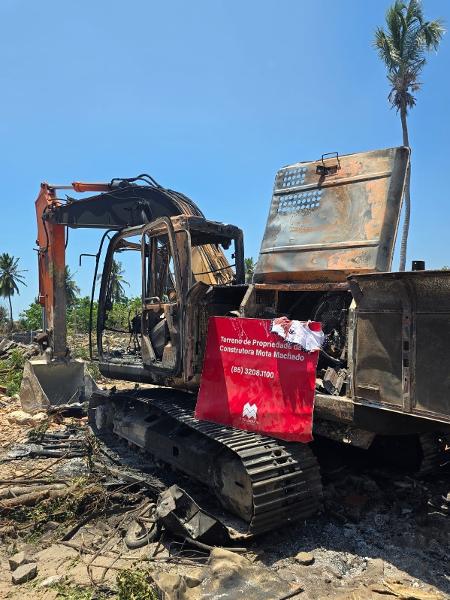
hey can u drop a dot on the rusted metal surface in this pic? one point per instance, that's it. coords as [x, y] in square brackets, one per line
[183, 517]
[173, 356]
[303, 287]
[51, 260]
[401, 359]
[323, 226]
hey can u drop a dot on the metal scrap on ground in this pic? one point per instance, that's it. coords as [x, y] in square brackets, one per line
[86, 520]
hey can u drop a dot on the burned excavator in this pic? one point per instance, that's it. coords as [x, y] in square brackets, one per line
[326, 256]
[185, 278]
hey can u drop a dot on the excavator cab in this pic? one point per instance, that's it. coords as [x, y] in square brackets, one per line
[173, 257]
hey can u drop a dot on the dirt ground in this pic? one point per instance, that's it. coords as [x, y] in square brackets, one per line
[377, 537]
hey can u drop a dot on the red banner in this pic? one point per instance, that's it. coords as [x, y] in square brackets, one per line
[253, 379]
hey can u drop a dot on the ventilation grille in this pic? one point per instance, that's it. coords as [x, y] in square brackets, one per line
[288, 178]
[303, 202]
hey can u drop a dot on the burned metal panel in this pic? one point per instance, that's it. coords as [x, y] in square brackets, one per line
[432, 381]
[431, 292]
[333, 217]
[402, 355]
[378, 368]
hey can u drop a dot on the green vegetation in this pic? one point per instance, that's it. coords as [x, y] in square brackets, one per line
[67, 591]
[132, 584]
[249, 269]
[83, 496]
[11, 369]
[31, 317]
[135, 584]
[123, 309]
[402, 47]
[118, 316]
[10, 278]
[116, 290]
[78, 315]
[72, 290]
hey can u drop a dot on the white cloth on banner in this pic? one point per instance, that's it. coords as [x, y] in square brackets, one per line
[298, 332]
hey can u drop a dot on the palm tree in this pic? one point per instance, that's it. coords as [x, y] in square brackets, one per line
[116, 282]
[72, 290]
[10, 277]
[402, 47]
[249, 264]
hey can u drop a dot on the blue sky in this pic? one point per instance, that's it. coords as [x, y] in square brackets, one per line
[210, 97]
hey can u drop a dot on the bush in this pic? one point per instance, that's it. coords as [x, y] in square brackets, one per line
[121, 312]
[31, 317]
[78, 315]
[135, 585]
[11, 370]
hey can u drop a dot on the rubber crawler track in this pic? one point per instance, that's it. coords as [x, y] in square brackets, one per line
[285, 478]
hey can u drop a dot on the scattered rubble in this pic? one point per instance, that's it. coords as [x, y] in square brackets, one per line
[7, 347]
[24, 573]
[230, 576]
[20, 417]
[91, 525]
[19, 559]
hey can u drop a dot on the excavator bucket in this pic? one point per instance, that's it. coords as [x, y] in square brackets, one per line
[52, 384]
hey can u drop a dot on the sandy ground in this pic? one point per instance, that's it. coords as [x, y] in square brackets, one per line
[377, 538]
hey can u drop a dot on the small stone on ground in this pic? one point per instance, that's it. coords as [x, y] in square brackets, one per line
[52, 580]
[305, 558]
[21, 558]
[24, 573]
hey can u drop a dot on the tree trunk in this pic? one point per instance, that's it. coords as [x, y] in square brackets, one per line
[407, 197]
[10, 314]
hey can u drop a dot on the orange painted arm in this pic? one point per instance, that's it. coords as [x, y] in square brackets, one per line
[51, 263]
[79, 186]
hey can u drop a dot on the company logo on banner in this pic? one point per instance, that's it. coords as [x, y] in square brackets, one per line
[254, 379]
[250, 411]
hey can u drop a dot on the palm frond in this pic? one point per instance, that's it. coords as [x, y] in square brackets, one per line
[414, 12]
[403, 45]
[394, 25]
[432, 33]
[386, 49]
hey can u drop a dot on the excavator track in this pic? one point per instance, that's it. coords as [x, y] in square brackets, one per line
[279, 482]
[286, 484]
